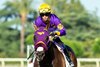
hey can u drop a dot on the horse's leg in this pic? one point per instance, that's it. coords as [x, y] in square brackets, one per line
[59, 60]
[72, 56]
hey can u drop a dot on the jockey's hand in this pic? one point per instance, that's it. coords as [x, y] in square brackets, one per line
[57, 33]
[52, 34]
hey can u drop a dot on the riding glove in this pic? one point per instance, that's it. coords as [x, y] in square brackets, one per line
[57, 33]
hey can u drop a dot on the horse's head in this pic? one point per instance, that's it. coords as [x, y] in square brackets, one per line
[41, 39]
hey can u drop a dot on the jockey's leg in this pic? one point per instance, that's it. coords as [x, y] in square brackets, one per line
[65, 50]
[68, 57]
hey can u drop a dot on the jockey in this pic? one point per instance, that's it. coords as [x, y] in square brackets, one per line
[47, 18]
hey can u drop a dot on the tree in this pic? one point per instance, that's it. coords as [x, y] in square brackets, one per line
[9, 39]
[96, 47]
[21, 8]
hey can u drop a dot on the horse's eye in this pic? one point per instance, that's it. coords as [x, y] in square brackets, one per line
[47, 38]
[35, 38]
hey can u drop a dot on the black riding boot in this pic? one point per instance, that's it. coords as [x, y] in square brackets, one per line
[65, 51]
[68, 57]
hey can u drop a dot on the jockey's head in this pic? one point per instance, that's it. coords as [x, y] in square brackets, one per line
[45, 11]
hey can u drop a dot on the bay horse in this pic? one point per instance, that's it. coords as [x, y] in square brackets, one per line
[47, 53]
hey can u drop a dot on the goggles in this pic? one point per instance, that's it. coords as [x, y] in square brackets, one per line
[44, 14]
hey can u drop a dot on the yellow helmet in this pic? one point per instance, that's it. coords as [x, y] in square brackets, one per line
[44, 8]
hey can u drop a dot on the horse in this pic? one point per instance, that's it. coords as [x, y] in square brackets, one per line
[47, 53]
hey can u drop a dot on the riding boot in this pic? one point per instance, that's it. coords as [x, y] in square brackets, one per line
[68, 57]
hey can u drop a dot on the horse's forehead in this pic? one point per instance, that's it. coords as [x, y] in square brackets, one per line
[41, 32]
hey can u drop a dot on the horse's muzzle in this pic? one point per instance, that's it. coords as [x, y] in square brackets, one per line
[40, 55]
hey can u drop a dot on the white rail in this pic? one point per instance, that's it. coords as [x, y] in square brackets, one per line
[4, 60]
[95, 60]
[23, 60]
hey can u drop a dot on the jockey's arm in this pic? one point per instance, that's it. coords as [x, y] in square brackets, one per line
[60, 30]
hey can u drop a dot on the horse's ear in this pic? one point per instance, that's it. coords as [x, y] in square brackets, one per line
[35, 27]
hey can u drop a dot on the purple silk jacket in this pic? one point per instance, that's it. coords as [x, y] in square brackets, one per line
[55, 24]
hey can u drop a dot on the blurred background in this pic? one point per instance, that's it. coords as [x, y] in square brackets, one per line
[81, 18]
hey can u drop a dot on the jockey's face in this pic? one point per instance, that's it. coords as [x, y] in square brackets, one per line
[45, 16]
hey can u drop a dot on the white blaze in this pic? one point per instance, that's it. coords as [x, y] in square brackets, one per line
[39, 49]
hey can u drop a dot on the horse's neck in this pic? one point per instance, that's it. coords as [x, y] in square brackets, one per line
[59, 56]
[51, 44]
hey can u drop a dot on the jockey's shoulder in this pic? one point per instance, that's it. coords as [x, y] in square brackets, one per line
[53, 15]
